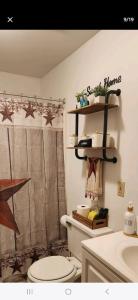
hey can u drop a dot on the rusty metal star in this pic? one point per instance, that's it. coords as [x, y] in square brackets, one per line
[29, 111]
[8, 188]
[49, 117]
[6, 113]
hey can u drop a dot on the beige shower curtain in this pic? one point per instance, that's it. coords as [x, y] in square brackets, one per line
[35, 153]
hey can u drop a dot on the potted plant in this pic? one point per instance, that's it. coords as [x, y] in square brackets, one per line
[82, 99]
[99, 92]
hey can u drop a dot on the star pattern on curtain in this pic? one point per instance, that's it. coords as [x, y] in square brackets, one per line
[34, 257]
[6, 113]
[16, 266]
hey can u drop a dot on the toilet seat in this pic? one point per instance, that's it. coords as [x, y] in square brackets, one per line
[52, 269]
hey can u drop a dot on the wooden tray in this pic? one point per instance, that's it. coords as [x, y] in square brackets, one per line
[95, 224]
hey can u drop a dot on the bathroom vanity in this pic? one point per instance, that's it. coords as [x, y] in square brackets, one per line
[94, 270]
[110, 258]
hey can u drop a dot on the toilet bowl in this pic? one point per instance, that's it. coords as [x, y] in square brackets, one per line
[65, 269]
[55, 269]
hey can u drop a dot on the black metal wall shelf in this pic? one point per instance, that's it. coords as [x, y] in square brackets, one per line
[93, 109]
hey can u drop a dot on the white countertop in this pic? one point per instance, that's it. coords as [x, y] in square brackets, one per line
[108, 249]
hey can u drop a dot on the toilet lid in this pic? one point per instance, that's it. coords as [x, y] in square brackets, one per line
[51, 268]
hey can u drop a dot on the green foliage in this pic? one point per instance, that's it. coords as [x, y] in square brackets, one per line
[78, 95]
[100, 90]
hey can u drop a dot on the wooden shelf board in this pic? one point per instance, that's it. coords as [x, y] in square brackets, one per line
[89, 109]
[92, 148]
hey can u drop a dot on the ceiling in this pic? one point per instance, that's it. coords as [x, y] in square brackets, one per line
[36, 52]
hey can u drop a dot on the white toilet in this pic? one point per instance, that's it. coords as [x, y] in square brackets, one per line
[65, 269]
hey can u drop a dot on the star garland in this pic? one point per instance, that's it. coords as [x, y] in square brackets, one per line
[10, 106]
[6, 113]
[29, 111]
[49, 117]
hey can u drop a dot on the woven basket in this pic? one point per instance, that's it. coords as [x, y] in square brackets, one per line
[95, 224]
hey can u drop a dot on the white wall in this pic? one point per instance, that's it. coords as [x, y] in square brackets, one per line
[109, 53]
[26, 85]
[18, 84]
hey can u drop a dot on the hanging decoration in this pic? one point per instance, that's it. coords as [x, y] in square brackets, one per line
[29, 111]
[49, 117]
[21, 107]
[6, 113]
[7, 189]
[92, 166]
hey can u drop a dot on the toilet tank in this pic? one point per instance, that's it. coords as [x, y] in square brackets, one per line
[78, 232]
[75, 236]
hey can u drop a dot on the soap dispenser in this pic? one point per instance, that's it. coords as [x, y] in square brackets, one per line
[130, 220]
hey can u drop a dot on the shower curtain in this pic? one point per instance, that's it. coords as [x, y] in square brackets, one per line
[33, 152]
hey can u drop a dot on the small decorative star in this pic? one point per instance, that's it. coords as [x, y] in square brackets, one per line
[34, 257]
[49, 117]
[92, 167]
[6, 113]
[29, 111]
[16, 266]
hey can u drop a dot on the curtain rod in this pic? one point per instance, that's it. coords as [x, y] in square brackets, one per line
[34, 97]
